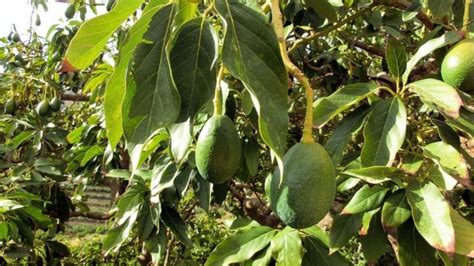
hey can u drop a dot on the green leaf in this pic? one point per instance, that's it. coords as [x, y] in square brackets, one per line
[384, 133]
[464, 122]
[251, 53]
[343, 228]
[375, 174]
[115, 88]
[396, 210]
[181, 139]
[427, 48]
[396, 57]
[156, 244]
[9, 205]
[203, 191]
[440, 8]
[187, 10]
[151, 100]
[449, 159]
[431, 215]
[463, 230]
[323, 8]
[343, 133]
[91, 153]
[439, 95]
[374, 244]
[173, 221]
[193, 59]
[20, 139]
[262, 258]
[286, 247]
[328, 107]
[365, 199]
[117, 235]
[413, 250]
[241, 246]
[317, 253]
[94, 34]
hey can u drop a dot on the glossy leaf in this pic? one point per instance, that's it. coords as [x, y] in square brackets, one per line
[94, 34]
[427, 48]
[449, 159]
[343, 228]
[431, 215]
[251, 53]
[413, 250]
[375, 174]
[384, 133]
[193, 59]
[439, 95]
[116, 86]
[241, 246]
[365, 199]
[343, 134]
[328, 107]
[396, 210]
[287, 248]
[396, 57]
[151, 100]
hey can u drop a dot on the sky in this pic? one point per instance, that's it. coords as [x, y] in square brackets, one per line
[18, 12]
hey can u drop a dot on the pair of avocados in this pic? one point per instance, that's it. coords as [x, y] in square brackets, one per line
[44, 107]
[307, 190]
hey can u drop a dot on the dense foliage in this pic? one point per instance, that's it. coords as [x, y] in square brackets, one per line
[324, 132]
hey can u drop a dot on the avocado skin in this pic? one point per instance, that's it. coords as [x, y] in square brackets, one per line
[55, 104]
[218, 150]
[308, 188]
[43, 108]
[110, 4]
[16, 37]
[10, 107]
[70, 11]
[457, 68]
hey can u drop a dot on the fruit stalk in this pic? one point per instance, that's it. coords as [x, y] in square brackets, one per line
[277, 22]
[467, 9]
[218, 93]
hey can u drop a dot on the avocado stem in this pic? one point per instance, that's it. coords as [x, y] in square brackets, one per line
[277, 22]
[467, 9]
[218, 93]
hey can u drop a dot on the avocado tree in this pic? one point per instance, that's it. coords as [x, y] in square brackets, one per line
[326, 124]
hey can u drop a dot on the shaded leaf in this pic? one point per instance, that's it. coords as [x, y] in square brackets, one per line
[396, 210]
[413, 250]
[323, 8]
[396, 57]
[173, 221]
[343, 228]
[463, 230]
[375, 174]
[286, 247]
[374, 244]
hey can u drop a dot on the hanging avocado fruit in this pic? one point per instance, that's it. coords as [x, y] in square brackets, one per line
[110, 5]
[55, 104]
[16, 37]
[10, 107]
[457, 68]
[308, 188]
[42, 109]
[70, 11]
[218, 150]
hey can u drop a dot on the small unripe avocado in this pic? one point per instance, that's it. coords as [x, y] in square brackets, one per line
[55, 104]
[10, 107]
[110, 5]
[16, 37]
[457, 68]
[38, 20]
[70, 11]
[42, 109]
[308, 188]
[218, 150]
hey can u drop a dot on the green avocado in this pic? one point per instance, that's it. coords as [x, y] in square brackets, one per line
[110, 5]
[16, 37]
[308, 188]
[70, 11]
[457, 68]
[10, 107]
[42, 108]
[55, 104]
[218, 150]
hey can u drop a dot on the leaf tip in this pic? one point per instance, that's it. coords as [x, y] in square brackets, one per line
[67, 67]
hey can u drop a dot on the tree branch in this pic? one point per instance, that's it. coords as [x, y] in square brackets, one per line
[75, 97]
[401, 4]
[366, 47]
[92, 215]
